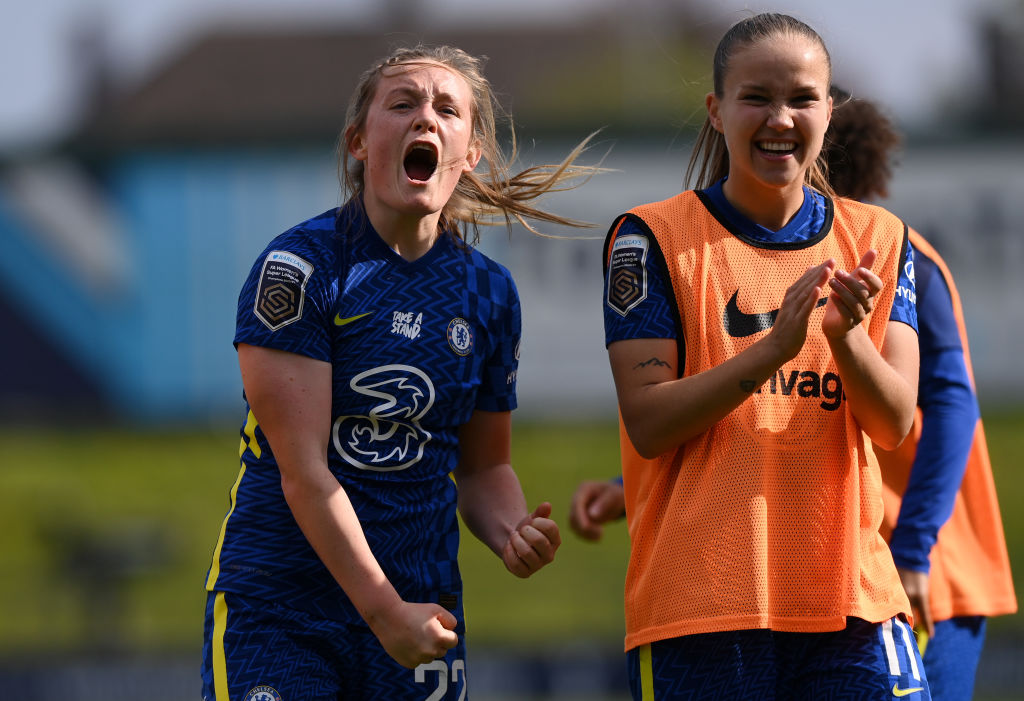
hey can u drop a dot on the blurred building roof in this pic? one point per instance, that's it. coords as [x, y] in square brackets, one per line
[245, 86]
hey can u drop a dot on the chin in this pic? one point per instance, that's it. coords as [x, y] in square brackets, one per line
[781, 181]
[419, 208]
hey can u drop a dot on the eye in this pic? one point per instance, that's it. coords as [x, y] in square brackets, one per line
[754, 98]
[450, 110]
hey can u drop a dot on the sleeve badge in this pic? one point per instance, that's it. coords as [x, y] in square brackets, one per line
[282, 289]
[627, 273]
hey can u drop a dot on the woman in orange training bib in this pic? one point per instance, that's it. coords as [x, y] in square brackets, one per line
[761, 334]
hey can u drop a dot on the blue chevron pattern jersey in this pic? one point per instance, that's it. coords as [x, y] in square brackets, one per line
[415, 347]
[653, 300]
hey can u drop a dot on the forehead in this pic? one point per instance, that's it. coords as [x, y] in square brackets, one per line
[424, 77]
[783, 58]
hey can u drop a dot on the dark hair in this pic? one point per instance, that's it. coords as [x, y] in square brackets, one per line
[859, 147]
[501, 195]
[710, 157]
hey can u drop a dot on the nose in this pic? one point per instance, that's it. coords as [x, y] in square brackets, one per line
[779, 117]
[425, 119]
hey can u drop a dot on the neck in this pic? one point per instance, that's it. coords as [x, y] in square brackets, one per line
[410, 236]
[771, 208]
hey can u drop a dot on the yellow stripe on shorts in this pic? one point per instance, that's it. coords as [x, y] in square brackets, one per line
[646, 674]
[220, 668]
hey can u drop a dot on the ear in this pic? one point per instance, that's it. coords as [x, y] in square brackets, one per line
[714, 117]
[355, 143]
[472, 156]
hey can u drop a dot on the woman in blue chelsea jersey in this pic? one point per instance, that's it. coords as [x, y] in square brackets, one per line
[378, 353]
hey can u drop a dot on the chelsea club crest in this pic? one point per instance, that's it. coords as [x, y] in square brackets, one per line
[263, 693]
[460, 336]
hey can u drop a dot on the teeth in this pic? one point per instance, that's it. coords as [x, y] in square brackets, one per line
[776, 146]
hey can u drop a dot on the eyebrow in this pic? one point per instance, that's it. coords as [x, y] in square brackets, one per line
[414, 92]
[804, 88]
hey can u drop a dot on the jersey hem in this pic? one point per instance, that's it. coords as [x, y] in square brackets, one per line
[787, 624]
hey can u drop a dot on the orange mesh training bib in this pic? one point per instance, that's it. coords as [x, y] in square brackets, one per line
[770, 518]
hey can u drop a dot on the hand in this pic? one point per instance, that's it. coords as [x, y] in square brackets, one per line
[593, 504]
[916, 585]
[852, 297]
[532, 544]
[415, 633]
[790, 328]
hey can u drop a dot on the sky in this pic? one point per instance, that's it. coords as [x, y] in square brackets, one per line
[912, 55]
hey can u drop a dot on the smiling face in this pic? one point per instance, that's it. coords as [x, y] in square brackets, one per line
[416, 142]
[773, 112]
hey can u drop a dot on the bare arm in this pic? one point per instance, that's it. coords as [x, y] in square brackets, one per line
[661, 411]
[491, 499]
[290, 395]
[881, 387]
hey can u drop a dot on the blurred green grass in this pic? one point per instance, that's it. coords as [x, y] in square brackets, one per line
[106, 536]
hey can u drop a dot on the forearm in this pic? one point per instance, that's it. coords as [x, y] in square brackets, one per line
[327, 519]
[661, 416]
[491, 503]
[881, 397]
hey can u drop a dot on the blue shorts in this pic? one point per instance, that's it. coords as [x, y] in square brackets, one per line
[952, 657]
[257, 650]
[864, 661]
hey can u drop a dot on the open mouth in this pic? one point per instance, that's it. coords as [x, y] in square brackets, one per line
[777, 148]
[421, 162]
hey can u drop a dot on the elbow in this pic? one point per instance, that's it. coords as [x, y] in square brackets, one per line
[644, 442]
[894, 433]
[296, 490]
[888, 443]
[291, 488]
[651, 429]
[646, 450]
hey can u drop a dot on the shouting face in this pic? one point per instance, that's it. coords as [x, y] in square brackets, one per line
[416, 142]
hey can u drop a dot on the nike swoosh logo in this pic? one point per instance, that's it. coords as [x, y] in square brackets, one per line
[338, 321]
[897, 691]
[739, 324]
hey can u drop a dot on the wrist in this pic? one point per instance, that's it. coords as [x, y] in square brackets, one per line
[377, 604]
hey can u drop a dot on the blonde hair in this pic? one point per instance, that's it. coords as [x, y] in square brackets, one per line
[710, 156]
[500, 196]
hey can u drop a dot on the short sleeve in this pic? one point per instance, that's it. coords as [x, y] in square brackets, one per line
[638, 299]
[904, 306]
[500, 371]
[936, 318]
[287, 299]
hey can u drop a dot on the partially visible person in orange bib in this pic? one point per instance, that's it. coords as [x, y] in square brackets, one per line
[941, 512]
[762, 334]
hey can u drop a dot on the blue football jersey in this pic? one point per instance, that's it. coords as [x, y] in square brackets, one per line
[415, 347]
